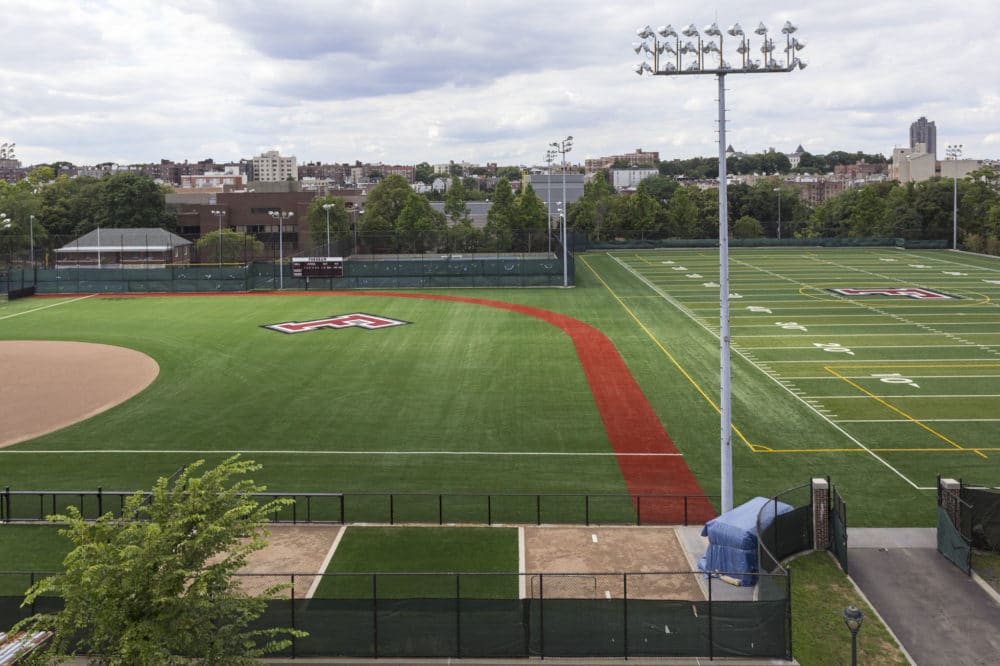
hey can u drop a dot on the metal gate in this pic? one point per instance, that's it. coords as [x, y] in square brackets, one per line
[838, 528]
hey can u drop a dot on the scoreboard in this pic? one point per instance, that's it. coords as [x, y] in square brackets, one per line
[306, 267]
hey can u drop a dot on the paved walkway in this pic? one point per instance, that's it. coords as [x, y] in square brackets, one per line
[938, 614]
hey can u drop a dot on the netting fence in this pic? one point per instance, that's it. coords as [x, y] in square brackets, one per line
[467, 615]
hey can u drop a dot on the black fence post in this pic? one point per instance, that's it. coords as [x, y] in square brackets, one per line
[711, 638]
[375, 615]
[100, 501]
[458, 616]
[293, 614]
[625, 611]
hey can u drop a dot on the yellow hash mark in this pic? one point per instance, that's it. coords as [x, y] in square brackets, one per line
[663, 349]
[901, 412]
[882, 450]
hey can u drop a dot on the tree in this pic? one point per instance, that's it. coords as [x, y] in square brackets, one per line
[128, 201]
[155, 585]
[417, 224]
[234, 247]
[455, 208]
[339, 220]
[383, 206]
[747, 227]
[423, 173]
[501, 216]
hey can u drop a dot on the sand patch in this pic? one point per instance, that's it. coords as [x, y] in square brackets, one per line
[48, 385]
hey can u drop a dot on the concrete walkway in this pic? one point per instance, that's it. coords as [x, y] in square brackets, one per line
[938, 614]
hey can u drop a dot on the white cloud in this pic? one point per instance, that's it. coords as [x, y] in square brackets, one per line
[390, 81]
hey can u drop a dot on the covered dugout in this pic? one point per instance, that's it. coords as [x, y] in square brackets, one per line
[732, 539]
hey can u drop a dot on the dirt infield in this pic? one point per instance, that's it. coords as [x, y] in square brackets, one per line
[48, 385]
[599, 551]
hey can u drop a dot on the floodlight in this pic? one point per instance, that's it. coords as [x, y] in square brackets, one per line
[669, 67]
[761, 29]
[689, 48]
[788, 28]
[710, 47]
[797, 45]
[637, 46]
[743, 48]
[801, 64]
[667, 47]
[735, 30]
[767, 46]
[667, 31]
[645, 32]
[713, 30]
[693, 67]
[643, 67]
[690, 30]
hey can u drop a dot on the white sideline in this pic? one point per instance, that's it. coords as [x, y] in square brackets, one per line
[46, 307]
[602, 454]
[326, 562]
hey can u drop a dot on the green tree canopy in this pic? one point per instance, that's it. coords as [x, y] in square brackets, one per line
[155, 585]
[339, 220]
[128, 201]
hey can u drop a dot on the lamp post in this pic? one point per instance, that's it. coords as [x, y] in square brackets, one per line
[281, 216]
[778, 190]
[953, 152]
[853, 617]
[549, 156]
[219, 214]
[564, 147]
[7, 224]
[31, 238]
[327, 208]
[666, 40]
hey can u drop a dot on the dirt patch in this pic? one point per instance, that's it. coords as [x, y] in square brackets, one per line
[48, 385]
[291, 549]
[599, 554]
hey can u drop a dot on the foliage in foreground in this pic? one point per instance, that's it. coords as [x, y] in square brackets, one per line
[155, 584]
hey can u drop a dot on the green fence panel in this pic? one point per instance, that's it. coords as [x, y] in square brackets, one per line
[577, 627]
[952, 544]
[750, 629]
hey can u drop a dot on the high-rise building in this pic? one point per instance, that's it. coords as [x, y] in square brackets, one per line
[923, 131]
[271, 167]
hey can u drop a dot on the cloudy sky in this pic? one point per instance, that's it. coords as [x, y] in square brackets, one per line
[401, 81]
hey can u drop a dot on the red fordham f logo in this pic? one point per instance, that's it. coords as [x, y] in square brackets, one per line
[358, 319]
[908, 292]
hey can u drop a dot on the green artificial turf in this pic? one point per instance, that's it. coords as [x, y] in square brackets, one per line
[423, 562]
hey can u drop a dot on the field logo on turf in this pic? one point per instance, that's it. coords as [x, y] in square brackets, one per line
[358, 319]
[908, 292]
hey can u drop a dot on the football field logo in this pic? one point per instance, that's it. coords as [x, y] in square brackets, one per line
[358, 319]
[908, 292]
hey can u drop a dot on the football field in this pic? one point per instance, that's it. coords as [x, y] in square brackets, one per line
[881, 386]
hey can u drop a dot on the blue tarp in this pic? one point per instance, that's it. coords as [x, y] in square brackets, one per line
[732, 539]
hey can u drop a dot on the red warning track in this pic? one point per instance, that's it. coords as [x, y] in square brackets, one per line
[629, 420]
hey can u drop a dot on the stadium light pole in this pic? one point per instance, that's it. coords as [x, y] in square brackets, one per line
[778, 190]
[281, 216]
[7, 224]
[327, 208]
[219, 214]
[550, 155]
[953, 152]
[31, 238]
[699, 50]
[564, 147]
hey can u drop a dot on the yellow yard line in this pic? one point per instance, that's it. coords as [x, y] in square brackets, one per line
[663, 349]
[901, 412]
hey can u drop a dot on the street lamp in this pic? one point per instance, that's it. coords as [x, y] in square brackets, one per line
[853, 617]
[564, 147]
[549, 156]
[31, 238]
[778, 190]
[7, 224]
[671, 58]
[219, 213]
[954, 152]
[327, 208]
[281, 216]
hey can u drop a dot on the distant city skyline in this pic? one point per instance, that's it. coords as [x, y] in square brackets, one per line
[403, 83]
